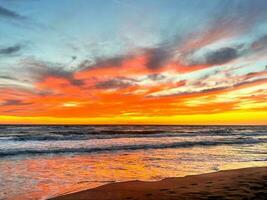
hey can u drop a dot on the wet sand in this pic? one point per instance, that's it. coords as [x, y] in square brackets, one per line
[243, 184]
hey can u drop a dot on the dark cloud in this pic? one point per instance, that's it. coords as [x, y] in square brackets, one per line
[86, 64]
[6, 13]
[40, 70]
[229, 18]
[7, 77]
[221, 56]
[14, 102]
[116, 83]
[10, 50]
[226, 54]
[214, 57]
[156, 77]
[260, 43]
[115, 61]
[158, 57]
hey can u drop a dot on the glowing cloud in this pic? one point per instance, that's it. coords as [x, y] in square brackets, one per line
[211, 73]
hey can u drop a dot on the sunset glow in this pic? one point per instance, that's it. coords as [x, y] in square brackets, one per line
[149, 68]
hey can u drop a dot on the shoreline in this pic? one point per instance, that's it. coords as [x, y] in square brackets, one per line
[244, 183]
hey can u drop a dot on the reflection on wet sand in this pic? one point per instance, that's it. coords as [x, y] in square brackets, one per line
[51, 175]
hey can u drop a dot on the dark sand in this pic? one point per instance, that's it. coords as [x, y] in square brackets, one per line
[248, 183]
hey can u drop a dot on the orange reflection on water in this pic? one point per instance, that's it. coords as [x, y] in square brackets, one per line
[36, 177]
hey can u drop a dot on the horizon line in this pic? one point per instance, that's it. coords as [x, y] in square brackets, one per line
[73, 124]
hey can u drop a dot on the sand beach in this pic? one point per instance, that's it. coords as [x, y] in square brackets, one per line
[247, 183]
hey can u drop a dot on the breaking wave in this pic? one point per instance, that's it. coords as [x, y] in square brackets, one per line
[237, 141]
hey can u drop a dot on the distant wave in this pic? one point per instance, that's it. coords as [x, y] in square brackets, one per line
[88, 137]
[240, 141]
[56, 134]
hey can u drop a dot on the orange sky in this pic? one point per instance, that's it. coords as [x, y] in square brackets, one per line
[136, 63]
[132, 94]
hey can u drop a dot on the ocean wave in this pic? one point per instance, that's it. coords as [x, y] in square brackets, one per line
[240, 141]
[101, 135]
[67, 133]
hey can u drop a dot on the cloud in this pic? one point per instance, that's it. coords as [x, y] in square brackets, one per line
[158, 57]
[224, 55]
[230, 19]
[260, 43]
[221, 56]
[156, 77]
[218, 56]
[40, 70]
[210, 83]
[14, 102]
[209, 90]
[116, 83]
[7, 77]
[10, 50]
[115, 61]
[6, 13]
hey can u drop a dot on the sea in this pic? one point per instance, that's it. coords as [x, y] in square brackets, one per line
[43, 161]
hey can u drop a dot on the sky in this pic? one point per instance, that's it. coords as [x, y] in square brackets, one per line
[133, 61]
